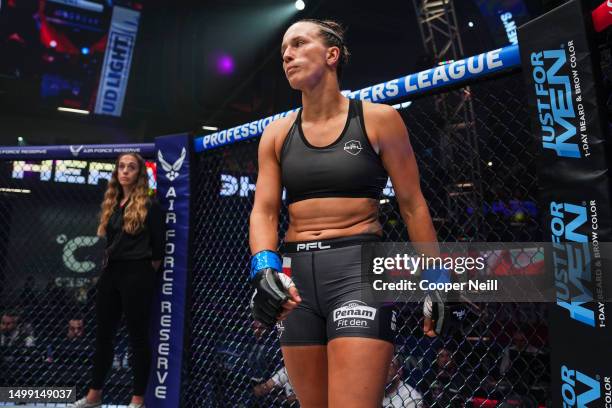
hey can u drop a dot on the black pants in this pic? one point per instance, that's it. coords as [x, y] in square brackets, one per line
[125, 287]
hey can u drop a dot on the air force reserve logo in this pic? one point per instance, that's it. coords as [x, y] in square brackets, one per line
[75, 150]
[172, 170]
[353, 147]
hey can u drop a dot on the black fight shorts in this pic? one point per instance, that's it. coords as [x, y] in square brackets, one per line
[327, 274]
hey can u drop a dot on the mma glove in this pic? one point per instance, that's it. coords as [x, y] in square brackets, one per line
[271, 287]
[447, 317]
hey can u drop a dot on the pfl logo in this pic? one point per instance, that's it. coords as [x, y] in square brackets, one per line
[353, 147]
[578, 389]
[307, 246]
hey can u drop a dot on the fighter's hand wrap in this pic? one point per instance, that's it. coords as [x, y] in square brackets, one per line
[271, 287]
[446, 316]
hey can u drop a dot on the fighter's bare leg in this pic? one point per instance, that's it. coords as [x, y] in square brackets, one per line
[357, 371]
[307, 370]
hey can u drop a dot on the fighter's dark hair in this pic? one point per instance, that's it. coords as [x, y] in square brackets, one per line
[333, 35]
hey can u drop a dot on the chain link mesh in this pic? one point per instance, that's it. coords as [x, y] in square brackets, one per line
[50, 260]
[482, 189]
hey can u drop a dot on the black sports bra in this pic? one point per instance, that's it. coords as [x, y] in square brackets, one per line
[348, 167]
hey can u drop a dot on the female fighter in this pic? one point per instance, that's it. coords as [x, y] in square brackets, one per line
[133, 225]
[333, 157]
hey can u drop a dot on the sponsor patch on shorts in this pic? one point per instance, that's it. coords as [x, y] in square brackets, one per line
[353, 314]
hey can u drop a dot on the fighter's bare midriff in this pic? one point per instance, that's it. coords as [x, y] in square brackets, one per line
[333, 217]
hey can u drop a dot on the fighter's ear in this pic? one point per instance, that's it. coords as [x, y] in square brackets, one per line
[333, 56]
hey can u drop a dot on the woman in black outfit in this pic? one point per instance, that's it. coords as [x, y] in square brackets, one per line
[133, 225]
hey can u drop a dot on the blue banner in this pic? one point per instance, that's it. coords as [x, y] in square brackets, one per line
[117, 61]
[167, 337]
[442, 76]
[98, 151]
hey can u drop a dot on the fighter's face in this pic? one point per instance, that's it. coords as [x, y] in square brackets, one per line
[305, 56]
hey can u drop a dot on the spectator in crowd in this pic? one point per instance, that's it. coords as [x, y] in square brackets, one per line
[398, 393]
[519, 347]
[17, 349]
[76, 328]
[443, 385]
[258, 359]
[280, 379]
[13, 333]
[73, 347]
[523, 365]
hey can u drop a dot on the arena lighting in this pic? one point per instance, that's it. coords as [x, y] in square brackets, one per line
[490, 164]
[300, 5]
[213, 128]
[225, 64]
[470, 24]
[14, 190]
[80, 111]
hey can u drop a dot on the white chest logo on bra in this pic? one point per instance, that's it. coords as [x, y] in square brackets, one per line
[353, 147]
